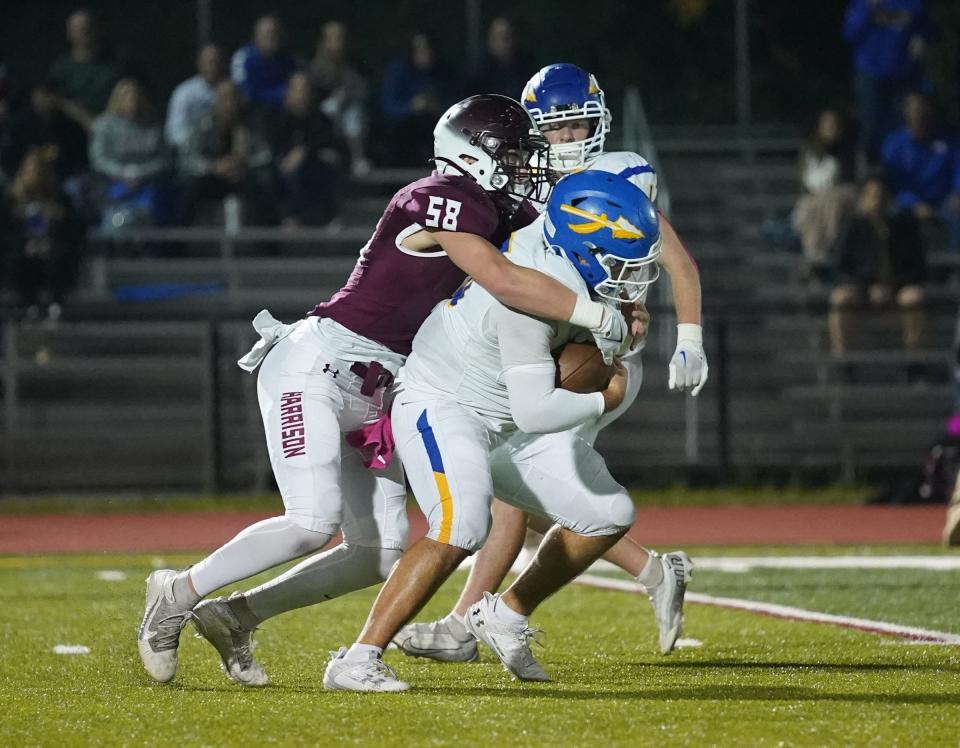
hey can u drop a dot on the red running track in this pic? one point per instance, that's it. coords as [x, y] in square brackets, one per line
[658, 527]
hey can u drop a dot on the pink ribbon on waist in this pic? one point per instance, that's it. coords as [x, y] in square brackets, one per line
[375, 442]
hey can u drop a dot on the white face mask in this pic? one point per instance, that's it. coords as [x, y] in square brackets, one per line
[629, 279]
[570, 157]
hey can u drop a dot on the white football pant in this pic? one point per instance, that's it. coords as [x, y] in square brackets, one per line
[309, 399]
[456, 463]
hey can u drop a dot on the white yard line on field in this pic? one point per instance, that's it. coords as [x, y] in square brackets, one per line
[740, 564]
[71, 649]
[787, 612]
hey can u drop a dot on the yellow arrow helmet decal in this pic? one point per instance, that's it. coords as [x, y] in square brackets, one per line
[621, 228]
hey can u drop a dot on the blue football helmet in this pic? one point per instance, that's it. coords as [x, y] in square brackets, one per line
[564, 92]
[608, 228]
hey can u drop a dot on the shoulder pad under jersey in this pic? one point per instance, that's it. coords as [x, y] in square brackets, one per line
[632, 166]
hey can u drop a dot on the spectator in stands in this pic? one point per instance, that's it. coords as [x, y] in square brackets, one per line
[881, 261]
[416, 91]
[262, 68]
[193, 98]
[87, 72]
[43, 123]
[127, 151]
[889, 38]
[306, 155]
[504, 67]
[923, 168]
[342, 90]
[41, 234]
[827, 165]
[224, 156]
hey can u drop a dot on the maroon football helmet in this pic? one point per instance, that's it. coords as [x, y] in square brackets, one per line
[493, 139]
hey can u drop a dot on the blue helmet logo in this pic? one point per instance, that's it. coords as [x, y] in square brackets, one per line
[559, 94]
[608, 228]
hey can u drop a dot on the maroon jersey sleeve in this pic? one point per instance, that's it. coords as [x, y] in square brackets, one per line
[451, 203]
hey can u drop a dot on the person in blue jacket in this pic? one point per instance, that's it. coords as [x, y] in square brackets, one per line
[417, 88]
[923, 168]
[263, 68]
[888, 38]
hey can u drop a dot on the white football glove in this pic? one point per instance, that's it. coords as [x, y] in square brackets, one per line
[688, 367]
[605, 321]
[612, 335]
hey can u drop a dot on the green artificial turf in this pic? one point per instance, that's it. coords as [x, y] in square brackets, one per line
[270, 502]
[754, 681]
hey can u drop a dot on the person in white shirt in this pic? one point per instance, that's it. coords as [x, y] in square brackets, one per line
[193, 98]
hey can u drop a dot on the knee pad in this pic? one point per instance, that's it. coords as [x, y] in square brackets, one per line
[469, 531]
[622, 511]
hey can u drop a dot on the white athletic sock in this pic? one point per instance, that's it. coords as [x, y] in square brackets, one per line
[258, 548]
[362, 652]
[182, 591]
[652, 573]
[505, 613]
[321, 577]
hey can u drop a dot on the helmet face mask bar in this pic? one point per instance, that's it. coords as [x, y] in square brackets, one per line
[628, 279]
[516, 169]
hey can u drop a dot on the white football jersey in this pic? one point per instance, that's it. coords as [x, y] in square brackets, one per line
[456, 353]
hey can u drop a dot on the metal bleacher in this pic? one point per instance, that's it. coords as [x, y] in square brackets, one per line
[144, 392]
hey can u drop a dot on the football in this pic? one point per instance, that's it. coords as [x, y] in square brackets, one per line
[580, 368]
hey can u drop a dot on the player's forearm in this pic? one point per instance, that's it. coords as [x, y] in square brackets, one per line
[533, 292]
[538, 407]
[517, 287]
[686, 297]
[684, 276]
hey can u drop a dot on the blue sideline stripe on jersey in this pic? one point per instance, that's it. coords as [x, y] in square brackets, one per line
[439, 477]
[632, 171]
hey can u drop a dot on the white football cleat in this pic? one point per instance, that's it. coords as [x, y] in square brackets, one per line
[446, 640]
[216, 623]
[360, 675]
[510, 641]
[159, 634]
[667, 597]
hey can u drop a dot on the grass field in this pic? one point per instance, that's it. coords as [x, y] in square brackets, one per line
[679, 495]
[754, 681]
